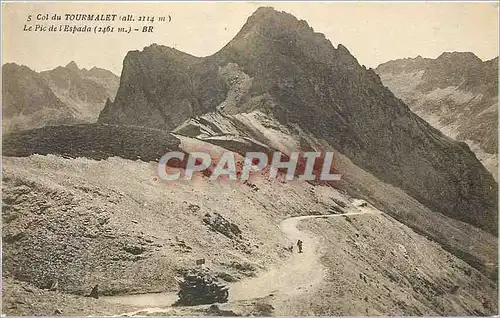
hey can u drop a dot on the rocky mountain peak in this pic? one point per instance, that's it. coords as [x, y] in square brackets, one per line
[456, 92]
[72, 66]
[279, 65]
[155, 53]
[64, 95]
[271, 32]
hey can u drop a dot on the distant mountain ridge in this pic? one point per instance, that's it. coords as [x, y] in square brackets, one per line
[278, 68]
[276, 85]
[64, 95]
[456, 92]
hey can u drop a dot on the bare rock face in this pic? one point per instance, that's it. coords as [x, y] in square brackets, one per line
[28, 102]
[62, 96]
[456, 93]
[283, 68]
[162, 87]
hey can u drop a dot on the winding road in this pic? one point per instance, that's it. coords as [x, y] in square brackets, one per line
[300, 273]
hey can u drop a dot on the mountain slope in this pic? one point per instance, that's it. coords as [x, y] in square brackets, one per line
[62, 96]
[279, 66]
[161, 87]
[456, 93]
[28, 102]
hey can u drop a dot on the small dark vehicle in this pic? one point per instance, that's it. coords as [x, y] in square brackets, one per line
[197, 290]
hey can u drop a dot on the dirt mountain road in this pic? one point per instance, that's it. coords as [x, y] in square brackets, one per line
[302, 272]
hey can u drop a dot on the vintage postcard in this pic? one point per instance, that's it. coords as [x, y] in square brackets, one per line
[249, 158]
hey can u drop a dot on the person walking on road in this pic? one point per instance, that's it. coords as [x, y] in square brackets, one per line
[299, 245]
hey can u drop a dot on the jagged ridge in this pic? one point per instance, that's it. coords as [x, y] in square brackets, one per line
[457, 93]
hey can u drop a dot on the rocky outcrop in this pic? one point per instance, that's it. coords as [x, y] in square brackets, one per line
[286, 70]
[456, 93]
[62, 96]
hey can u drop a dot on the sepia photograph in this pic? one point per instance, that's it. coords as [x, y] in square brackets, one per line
[243, 158]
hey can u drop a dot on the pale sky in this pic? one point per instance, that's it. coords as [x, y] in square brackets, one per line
[373, 32]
